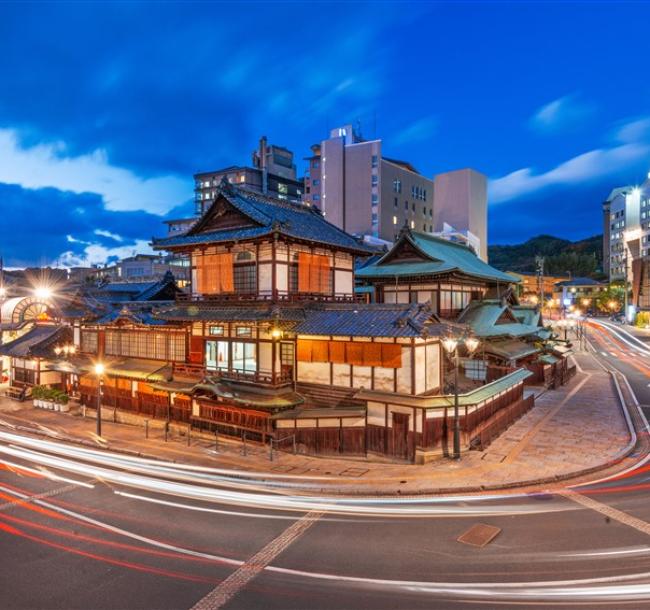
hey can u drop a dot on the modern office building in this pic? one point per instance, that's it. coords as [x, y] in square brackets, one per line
[364, 192]
[272, 172]
[621, 217]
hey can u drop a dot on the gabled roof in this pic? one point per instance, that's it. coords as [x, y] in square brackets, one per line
[116, 292]
[136, 313]
[39, 342]
[494, 319]
[436, 256]
[264, 216]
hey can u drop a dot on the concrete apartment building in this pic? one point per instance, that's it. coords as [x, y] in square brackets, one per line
[364, 192]
[272, 172]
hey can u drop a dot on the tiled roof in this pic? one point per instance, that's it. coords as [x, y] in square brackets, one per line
[290, 219]
[372, 320]
[511, 349]
[580, 281]
[137, 315]
[225, 312]
[441, 256]
[38, 342]
[472, 397]
[482, 317]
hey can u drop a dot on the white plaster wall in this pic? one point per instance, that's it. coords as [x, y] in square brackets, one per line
[314, 372]
[433, 366]
[404, 373]
[343, 282]
[341, 375]
[384, 379]
[361, 377]
[420, 369]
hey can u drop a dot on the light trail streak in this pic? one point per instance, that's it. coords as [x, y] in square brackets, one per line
[402, 507]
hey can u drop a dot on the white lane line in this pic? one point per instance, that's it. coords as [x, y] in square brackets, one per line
[608, 511]
[224, 592]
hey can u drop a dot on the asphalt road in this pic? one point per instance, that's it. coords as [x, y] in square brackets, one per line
[76, 533]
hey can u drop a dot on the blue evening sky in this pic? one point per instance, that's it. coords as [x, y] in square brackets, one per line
[107, 109]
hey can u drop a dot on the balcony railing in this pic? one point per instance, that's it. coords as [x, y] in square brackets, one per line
[268, 297]
[258, 377]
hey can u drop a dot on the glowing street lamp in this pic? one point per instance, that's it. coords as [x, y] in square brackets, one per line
[451, 347]
[42, 292]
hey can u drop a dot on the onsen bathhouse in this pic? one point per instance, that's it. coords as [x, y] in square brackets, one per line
[270, 341]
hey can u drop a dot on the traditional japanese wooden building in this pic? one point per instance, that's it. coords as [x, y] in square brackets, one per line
[271, 341]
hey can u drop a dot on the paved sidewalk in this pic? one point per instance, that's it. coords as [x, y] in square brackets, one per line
[579, 427]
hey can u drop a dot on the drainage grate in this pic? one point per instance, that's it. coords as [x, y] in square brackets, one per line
[479, 535]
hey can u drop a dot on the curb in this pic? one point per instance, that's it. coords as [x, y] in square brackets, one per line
[397, 492]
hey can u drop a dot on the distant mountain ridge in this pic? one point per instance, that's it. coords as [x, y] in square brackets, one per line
[581, 258]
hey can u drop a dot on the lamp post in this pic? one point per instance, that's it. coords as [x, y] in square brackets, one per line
[99, 371]
[451, 347]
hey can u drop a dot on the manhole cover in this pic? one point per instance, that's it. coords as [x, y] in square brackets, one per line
[479, 535]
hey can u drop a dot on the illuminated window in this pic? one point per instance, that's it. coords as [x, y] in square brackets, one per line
[394, 220]
[216, 330]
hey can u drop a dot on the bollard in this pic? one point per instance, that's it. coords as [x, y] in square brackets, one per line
[244, 450]
[270, 449]
[294, 444]
[189, 435]
[146, 428]
[166, 430]
[216, 441]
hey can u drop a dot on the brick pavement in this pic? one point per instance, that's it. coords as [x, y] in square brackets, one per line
[577, 427]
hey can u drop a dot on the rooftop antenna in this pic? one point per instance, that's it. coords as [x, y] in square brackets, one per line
[374, 124]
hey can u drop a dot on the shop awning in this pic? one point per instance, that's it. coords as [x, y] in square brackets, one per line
[510, 350]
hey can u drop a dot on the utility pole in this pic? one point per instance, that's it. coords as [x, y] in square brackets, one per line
[539, 260]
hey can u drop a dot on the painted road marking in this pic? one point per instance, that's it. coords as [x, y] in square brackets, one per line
[608, 511]
[41, 496]
[226, 590]
[605, 354]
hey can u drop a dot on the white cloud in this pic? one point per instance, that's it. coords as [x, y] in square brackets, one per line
[108, 234]
[94, 254]
[420, 130]
[46, 165]
[634, 130]
[564, 111]
[601, 162]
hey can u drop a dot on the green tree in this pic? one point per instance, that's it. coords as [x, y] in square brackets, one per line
[611, 300]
